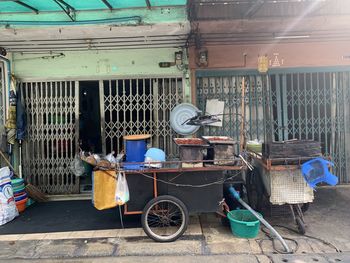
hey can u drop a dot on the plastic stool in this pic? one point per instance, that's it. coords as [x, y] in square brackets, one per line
[316, 171]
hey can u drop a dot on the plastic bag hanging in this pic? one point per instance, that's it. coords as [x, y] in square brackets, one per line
[122, 193]
[77, 166]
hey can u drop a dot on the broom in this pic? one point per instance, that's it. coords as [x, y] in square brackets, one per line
[31, 190]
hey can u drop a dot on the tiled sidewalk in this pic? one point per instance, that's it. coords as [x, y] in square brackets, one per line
[328, 219]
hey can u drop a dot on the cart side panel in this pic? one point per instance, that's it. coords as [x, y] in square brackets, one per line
[265, 176]
[196, 199]
[284, 184]
[141, 191]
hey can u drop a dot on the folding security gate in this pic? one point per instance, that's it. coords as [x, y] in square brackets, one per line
[52, 114]
[285, 105]
[315, 105]
[128, 106]
[229, 90]
[138, 106]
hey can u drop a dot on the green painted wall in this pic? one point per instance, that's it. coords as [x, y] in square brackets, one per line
[155, 15]
[94, 64]
[44, 5]
[97, 65]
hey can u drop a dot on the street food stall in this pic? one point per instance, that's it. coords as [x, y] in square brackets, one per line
[278, 176]
[166, 196]
[166, 192]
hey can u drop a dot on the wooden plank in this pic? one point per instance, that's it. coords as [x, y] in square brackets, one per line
[290, 149]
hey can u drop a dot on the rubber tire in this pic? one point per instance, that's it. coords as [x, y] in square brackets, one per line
[301, 225]
[164, 198]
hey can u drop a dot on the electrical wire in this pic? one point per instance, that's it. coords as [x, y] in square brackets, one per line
[311, 237]
[273, 240]
[188, 185]
[269, 237]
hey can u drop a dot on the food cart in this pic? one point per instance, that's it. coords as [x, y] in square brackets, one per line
[166, 196]
[282, 183]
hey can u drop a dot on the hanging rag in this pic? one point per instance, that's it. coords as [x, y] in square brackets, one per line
[11, 119]
[21, 121]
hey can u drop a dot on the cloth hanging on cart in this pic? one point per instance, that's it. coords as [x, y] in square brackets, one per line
[104, 185]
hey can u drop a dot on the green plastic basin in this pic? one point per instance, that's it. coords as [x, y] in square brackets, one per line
[243, 223]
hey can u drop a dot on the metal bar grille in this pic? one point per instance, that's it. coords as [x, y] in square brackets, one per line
[308, 105]
[316, 111]
[137, 106]
[229, 90]
[52, 121]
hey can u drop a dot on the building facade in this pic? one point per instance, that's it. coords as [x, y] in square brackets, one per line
[92, 72]
[291, 58]
[89, 74]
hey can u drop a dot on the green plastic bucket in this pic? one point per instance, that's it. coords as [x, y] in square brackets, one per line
[17, 182]
[243, 223]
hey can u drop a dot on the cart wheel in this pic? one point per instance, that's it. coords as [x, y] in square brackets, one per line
[164, 218]
[301, 225]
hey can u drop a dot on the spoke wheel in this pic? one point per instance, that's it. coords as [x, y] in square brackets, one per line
[164, 218]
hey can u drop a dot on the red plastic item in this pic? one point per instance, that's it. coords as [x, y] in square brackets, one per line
[21, 205]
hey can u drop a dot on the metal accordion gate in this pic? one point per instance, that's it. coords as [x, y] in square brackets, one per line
[228, 88]
[309, 104]
[139, 106]
[52, 110]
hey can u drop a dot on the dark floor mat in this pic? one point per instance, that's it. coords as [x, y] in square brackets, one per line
[66, 216]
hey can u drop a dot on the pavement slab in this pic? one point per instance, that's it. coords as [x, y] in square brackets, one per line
[54, 249]
[96, 249]
[338, 257]
[298, 259]
[159, 259]
[148, 247]
[206, 238]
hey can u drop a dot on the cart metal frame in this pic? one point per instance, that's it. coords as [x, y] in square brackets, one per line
[279, 166]
[213, 172]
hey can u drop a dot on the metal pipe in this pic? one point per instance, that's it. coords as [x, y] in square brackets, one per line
[138, 19]
[36, 11]
[235, 194]
[8, 66]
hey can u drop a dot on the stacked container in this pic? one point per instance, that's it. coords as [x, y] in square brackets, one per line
[19, 193]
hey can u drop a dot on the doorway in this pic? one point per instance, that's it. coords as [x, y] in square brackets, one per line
[89, 117]
[89, 126]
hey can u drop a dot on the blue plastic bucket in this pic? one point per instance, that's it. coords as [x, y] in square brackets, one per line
[135, 152]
